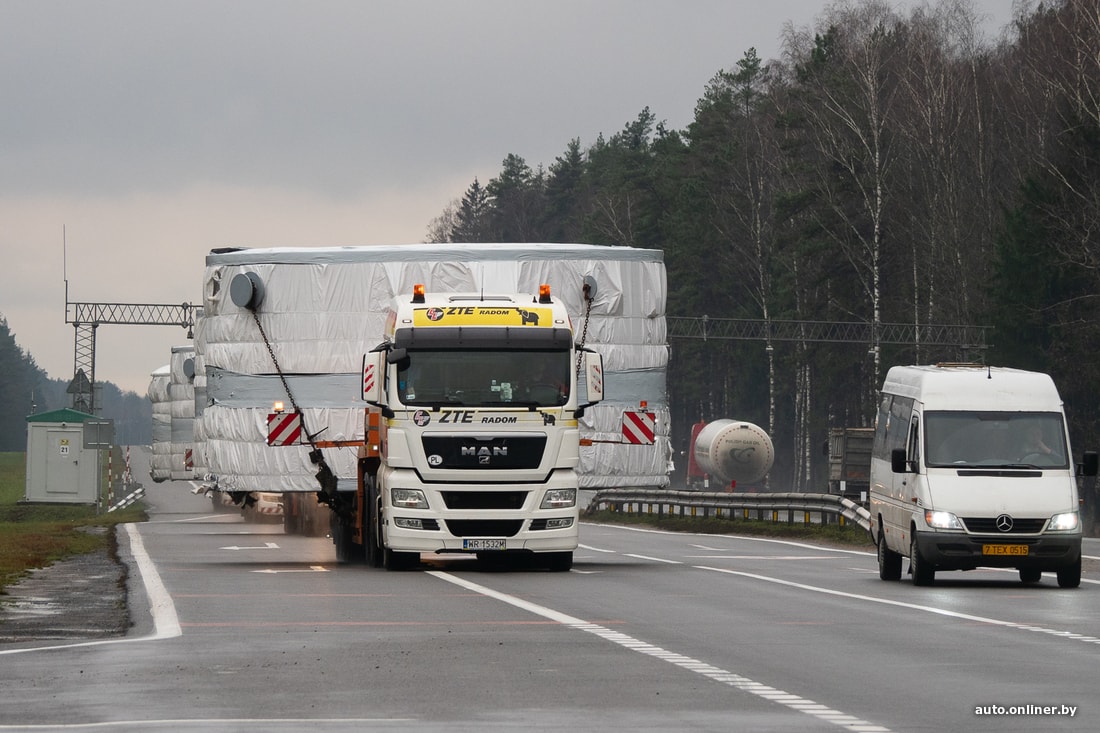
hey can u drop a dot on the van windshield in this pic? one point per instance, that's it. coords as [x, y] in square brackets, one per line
[995, 439]
[484, 377]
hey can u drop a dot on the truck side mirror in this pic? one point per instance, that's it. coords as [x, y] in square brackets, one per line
[593, 374]
[898, 462]
[1089, 463]
[374, 373]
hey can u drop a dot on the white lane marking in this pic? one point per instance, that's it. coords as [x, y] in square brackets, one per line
[166, 623]
[266, 546]
[911, 606]
[220, 723]
[737, 681]
[596, 549]
[760, 557]
[654, 559]
[311, 569]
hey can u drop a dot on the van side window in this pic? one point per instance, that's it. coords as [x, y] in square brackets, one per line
[912, 451]
[901, 410]
[882, 422]
[892, 425]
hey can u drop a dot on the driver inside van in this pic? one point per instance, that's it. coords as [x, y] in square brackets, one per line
[1033, 444]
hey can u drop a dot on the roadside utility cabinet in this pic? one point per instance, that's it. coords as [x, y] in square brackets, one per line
[59, 469]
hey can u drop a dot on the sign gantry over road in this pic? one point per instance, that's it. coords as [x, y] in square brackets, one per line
[87, 317]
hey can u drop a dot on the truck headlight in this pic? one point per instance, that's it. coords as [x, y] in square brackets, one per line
[942, 520]
[559, 498]
[408, 498]
[1064, 522]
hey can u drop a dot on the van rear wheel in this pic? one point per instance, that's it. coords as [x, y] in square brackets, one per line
[889, 562]
[923, 572]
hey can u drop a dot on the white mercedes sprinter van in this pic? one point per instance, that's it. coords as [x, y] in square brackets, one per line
[971, 467]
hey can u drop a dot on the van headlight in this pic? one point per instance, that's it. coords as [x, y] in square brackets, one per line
[942, 520]
[408, 498]
[559, 499]
[1064, 522]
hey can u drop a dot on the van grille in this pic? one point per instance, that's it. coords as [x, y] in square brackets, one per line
[988, 525]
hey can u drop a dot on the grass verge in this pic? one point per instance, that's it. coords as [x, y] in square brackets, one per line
[849, 534]
[37, 535]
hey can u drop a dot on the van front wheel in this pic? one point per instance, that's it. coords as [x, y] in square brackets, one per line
[1070, 577]
[889, 562]
[923, 573]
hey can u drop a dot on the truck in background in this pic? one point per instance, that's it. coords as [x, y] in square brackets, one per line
[728, 455]
[849, 453]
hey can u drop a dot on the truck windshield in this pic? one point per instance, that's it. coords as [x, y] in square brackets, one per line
[484, 377]
[995, 439]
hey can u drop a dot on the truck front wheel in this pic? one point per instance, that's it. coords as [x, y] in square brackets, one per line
[393, 560]
[559, 562]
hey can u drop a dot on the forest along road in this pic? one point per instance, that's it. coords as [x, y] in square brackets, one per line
[257, 630]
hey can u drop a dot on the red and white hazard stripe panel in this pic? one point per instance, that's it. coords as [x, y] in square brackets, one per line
[188, 459]
[284, 428]
[638, 427]
[369, 376]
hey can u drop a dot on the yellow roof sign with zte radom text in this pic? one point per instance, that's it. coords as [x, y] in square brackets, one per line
[478, 315]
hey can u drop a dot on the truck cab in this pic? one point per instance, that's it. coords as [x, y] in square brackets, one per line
[476, 398]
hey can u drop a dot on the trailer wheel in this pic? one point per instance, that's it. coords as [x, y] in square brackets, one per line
[347, 550]
[889, 562]
[1070, 577]
[923, 572]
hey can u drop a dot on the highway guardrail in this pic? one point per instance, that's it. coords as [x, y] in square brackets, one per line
[777, 507]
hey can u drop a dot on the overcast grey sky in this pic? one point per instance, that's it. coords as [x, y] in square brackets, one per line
[150, 132]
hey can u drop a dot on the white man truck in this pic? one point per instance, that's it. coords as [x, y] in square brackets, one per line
[472, 441]
[971, 467]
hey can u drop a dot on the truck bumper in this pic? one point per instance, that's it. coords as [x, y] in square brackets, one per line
[483, 518]
[442, 541]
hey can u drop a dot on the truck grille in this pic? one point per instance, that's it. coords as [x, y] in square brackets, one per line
[484, 527]
[484, 499]
[469, 452]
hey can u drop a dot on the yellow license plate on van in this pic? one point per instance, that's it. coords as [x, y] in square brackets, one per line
[1004, 549]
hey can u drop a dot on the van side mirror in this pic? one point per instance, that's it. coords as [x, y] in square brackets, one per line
[1090, 462]
[898, 463]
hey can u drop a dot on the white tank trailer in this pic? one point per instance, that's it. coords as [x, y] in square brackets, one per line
[734, 452]
[322, 309]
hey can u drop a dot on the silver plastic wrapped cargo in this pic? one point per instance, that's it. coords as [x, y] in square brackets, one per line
[323, 308]
[160, 462]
